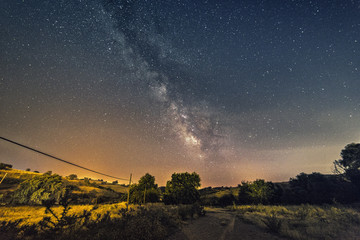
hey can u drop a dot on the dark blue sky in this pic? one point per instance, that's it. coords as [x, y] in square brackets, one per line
[231, 89]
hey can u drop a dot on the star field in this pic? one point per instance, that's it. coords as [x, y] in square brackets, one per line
[234, 90]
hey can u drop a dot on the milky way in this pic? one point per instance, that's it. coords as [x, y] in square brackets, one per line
[234, 90]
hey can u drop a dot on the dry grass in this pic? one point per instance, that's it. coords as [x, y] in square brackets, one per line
[17, 174]
[117, 188]
[305, 221]
[34, 214]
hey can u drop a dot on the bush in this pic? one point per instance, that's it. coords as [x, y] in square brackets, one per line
[72, 177]
[273, 223]
[258, 192]
[5, 166]
[226, 200]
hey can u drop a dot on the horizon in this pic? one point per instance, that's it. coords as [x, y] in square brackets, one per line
[231, 90]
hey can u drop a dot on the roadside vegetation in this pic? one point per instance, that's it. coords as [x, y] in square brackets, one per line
[304, 222]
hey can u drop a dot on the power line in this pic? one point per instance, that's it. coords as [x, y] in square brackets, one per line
[59, 159]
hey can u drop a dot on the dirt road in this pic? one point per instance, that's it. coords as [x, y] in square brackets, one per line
[219, 224]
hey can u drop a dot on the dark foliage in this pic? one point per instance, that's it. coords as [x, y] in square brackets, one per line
[145, 191]
[226, 200]
[256, 192]
[72, 177]
[182, 188]
[316, 188]
[5, 166]
[350, 163]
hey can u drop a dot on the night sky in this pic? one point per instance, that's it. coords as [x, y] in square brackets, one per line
[234, 90]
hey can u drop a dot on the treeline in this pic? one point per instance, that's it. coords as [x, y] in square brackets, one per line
[181, 189]
[315, 188]
[312, 188]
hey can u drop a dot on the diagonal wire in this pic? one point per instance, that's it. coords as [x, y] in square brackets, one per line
[59, 159]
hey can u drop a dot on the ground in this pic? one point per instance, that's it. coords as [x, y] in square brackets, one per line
[221, 224]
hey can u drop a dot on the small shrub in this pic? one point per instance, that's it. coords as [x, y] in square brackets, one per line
[303, 212]
[273, 223]
[5, 166]
[72, 177]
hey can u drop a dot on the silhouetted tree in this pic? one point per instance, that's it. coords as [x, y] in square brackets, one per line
[5, 166]
[72, 177]
[182, 188]
[350, 163]
[317, 188]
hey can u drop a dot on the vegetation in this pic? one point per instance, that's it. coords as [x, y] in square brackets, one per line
[350, 163]
[81, 192]
[256, 192]
[112, 222]
[53, 214]
[5, 166]
[39, 189]
[304, 222]
[72, 177]
[182, 189]
[145, 191]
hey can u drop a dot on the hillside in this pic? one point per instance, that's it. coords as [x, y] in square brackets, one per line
[84, 190]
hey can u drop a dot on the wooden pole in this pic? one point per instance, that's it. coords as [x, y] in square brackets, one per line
[3, 178]
[128, 197]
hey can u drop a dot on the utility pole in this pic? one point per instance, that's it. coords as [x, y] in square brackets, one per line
[3, 178]
[128, 197]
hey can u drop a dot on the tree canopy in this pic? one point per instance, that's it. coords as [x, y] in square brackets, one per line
[182, 188]
[145, 191]
[350, 163]
[258, 191]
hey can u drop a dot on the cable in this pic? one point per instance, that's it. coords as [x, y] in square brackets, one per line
[59, 159]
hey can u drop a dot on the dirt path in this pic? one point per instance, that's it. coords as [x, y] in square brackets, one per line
[219, 224]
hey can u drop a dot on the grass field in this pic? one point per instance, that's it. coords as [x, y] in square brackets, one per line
[305, 221]
[34, 214]
[107, 221]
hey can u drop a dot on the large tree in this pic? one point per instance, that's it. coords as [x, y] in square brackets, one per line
[145, 191]
[182, 188]
[350, 163]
